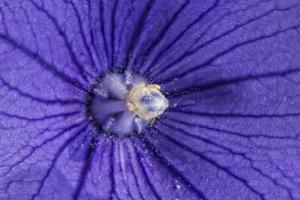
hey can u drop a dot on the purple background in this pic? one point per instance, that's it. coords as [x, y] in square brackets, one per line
[230, 69]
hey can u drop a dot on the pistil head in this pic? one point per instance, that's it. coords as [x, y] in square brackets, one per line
[146, 101]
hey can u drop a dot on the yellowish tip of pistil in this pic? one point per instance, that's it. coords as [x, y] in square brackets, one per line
[147, 101]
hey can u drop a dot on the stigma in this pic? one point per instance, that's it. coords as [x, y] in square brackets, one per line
[146, 101]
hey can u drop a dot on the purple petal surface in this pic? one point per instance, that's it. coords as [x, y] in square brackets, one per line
[230, 70]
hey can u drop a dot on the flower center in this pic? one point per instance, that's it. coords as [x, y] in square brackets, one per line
[121, 104]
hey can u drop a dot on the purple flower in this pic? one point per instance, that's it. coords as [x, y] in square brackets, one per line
[149, 99]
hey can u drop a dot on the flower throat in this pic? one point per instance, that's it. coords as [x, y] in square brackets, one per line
[125, 103]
